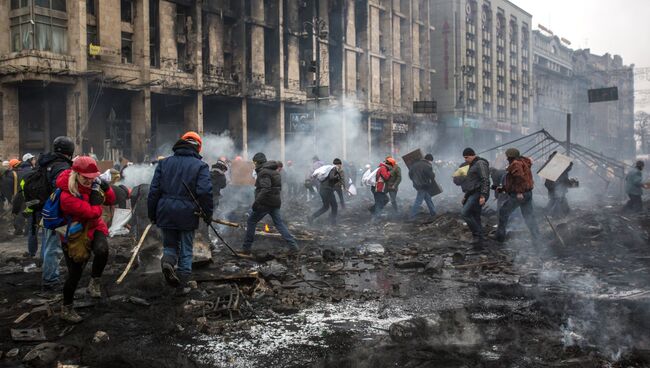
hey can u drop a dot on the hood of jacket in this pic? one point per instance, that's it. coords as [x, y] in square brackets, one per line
[270, 165]
[62, 183]
[48, 158]
[524, 160]
[184, 148]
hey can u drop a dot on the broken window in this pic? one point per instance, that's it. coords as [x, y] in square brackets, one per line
[126, 9]
[44, 28]
[17, 4]
[127, 48]
[154, 35]
[90, 7]
[183, 27]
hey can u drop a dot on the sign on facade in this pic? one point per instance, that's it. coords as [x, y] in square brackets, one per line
[603, 94]
[301, 122]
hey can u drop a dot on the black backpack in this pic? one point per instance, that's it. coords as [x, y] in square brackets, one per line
[37, 189]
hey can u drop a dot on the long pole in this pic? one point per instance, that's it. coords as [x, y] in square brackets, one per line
[568, 135]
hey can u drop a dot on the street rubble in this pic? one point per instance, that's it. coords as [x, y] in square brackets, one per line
[396, 293]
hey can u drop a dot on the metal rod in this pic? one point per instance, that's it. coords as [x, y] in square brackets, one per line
[511, 142]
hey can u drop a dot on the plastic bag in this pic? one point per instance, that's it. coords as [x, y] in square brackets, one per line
[369, 177]
[121, 217]
[352, 189]
[322, 172]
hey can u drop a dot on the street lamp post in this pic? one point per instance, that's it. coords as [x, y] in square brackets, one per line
[317, 27]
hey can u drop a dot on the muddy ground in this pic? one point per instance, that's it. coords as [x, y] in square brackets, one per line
[396, 293]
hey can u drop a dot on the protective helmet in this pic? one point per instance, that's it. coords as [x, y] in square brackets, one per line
[27, 156]
[512, 153]
[193, 137]
[14, 162]
[63, 145]
[86, 167]
[391, 161]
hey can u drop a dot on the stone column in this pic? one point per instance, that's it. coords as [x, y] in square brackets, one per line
[9, 145]
[141, 125]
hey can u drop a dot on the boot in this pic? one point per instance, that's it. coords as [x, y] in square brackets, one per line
[69, 314]
[94, 289]
[170, 275]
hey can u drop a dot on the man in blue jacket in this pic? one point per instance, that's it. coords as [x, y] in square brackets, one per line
[174, 211]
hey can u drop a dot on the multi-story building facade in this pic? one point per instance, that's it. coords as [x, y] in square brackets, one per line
[124, 77]
[562, 78]
[606, 127]
[484, 58]
[554, 83]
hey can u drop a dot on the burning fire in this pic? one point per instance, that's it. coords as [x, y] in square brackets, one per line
[267, 229]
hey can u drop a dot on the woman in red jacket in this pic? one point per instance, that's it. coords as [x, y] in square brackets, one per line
[82, 196]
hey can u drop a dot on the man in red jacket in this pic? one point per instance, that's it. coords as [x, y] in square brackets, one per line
[519, 187]
[380, 189]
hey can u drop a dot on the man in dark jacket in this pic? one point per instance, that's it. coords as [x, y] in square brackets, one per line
[326, 191]
[219, 181]
[519, 186]
[173, 209]
[423, 178]
[476, 187]
[55, 162]
[342, 184]
[268, 200]
[634, 188]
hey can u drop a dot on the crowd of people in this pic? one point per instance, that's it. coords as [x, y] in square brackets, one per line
[67, 198]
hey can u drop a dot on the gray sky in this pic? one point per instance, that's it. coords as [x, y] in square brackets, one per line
[616, 26]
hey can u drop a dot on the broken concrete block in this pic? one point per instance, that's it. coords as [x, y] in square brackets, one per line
[371, 249]
[418, 328]
[100, 336]
[13, 353]
[28, 334]
[434, 266]
[45, 354]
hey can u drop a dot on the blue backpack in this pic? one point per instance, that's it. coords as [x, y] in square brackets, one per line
[52, 215]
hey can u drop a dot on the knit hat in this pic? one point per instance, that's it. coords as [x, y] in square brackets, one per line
[640, 164]
[428, 157]
[512, 153]
[259, 158]
[469, 152]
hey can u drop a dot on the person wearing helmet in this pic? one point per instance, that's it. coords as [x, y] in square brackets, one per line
[29, 160]
[392, 184]
[173, 209]
[54, 163]
[82, 195]
[519, 187]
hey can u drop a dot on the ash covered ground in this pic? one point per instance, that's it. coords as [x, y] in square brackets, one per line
[395, 293]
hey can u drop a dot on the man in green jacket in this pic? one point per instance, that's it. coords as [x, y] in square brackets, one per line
[392, 185]
[634, 188]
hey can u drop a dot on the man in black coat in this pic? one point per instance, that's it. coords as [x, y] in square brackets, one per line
[424, 182]
[327, 187]
[268, 200]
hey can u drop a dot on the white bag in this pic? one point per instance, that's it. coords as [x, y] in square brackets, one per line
[121, 217]
[369, 178]
[322, 172]
[352, 189]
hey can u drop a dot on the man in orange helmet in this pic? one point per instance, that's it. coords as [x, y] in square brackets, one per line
[173, 209]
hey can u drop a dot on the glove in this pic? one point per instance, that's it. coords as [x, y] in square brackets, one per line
[96, 196]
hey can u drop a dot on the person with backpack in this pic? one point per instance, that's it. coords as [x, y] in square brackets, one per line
[331, 180]
[518, 185]
[380, 189]
[173, 209]
[392, 185]
[476, 186]
[40, 185]
[268, 200]
[81, 196]
[423, 178]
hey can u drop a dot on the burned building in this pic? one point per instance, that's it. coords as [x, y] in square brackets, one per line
[484, 58]
[126, 77]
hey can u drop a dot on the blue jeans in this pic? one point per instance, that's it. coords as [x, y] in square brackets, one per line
[472, 215]
[422, 196]
[509, 206]
[178, 250]
[32, 235]
[256, 216]
[51, 253]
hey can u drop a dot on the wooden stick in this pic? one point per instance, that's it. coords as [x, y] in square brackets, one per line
[135, 253]
[224, 222]
[555, 232]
